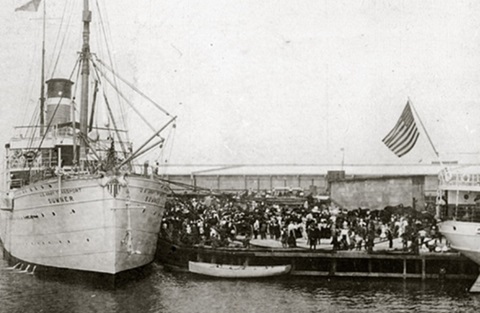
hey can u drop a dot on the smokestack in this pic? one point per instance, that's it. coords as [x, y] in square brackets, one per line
[59, 93]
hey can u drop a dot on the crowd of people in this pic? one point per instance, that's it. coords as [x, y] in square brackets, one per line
[220, 221]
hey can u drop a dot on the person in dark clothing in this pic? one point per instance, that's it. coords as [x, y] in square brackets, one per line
[390, 238]
[370, 238]
[292, 239]
[335, 243]
[312, 236]
[263, 230]
[285, 238]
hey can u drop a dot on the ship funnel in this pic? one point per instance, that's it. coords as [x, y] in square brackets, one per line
[59, 93]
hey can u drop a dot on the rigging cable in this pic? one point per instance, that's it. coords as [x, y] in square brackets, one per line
[126, 100]
[172, 142]
[159, 156]
[58, 36]
[29, 93]
[123, 96]
[57, 106]
[30, 132]
[168, 145]
[124, 150]
[133, 87]
[110, 57]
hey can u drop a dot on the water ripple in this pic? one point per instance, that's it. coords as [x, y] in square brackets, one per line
[165, 292]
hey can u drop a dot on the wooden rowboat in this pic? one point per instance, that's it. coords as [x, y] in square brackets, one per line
[237, 271]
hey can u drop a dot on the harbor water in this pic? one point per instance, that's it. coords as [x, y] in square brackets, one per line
[156, 289]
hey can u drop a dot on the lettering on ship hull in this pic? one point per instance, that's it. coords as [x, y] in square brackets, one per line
[61, 199]
[152, 196]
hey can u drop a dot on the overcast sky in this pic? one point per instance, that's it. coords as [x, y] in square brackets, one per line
[277, 81]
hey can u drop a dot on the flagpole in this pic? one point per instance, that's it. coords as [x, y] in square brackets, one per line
[425, 131]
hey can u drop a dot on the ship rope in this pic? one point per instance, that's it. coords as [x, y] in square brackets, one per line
[110, 58]
[166, 150]
[75, 88]
[104, 75]
[62, 43]
[30, 132]
[132, 87]
[172, 141]
[56, 108]
[156, 133]
[110, 112]
[34, 82]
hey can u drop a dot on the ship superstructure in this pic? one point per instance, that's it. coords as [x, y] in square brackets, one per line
[74, 198]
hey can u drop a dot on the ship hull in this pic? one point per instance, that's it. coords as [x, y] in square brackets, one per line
[463, 237]
[105, 225]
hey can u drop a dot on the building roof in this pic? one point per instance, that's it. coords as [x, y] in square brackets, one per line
[299, 169]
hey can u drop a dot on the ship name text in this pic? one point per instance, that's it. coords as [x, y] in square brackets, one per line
[62, 199]
[151, 195]
[63, 192]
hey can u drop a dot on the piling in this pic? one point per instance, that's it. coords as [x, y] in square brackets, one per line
[445, 265]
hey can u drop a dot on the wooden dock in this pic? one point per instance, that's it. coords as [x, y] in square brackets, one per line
[304, 262]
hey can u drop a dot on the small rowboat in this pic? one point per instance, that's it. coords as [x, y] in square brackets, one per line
[237, 271]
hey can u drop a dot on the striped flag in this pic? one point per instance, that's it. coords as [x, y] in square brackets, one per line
[31, 6]
[403, 137]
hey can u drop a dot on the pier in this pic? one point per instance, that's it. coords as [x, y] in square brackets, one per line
[443, 265]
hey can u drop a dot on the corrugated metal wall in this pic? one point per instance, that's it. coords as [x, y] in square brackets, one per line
[368, 192]
[251, 182]
[377, 193]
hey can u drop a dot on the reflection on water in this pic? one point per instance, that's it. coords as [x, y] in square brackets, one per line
[157, 290]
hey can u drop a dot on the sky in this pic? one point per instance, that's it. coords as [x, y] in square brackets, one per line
[275, 81]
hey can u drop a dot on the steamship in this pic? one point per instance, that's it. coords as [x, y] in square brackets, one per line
[460, 210]
[73, 196]
[458, 205]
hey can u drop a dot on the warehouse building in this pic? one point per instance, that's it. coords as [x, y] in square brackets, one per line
[351, 186]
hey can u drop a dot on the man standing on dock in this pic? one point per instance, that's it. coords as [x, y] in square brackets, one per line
[370, 237]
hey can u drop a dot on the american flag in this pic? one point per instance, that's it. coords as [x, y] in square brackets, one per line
[403, 137]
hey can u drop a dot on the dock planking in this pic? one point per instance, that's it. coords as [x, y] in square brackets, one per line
[328, 263]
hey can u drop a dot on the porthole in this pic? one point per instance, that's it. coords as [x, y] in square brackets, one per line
[53, 213]
[88, 240]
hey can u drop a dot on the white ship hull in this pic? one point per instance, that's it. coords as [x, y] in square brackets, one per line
[105, 225]
[463, 237]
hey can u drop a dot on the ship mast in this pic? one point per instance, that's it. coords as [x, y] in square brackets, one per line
[85, 56]
[42, 80]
